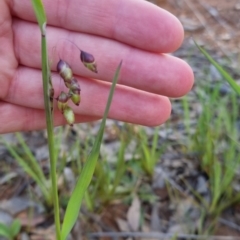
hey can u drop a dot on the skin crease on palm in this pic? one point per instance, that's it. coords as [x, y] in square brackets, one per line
[135, 31]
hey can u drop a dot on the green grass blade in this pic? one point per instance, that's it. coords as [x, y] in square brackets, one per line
[4, 231]
[15, 228]
[121, 166]
[29, 169]
[47, 87]
[223, 72]
[47, 84]
[216, 184]
[84, 180]
[39, 12]
[32, 160]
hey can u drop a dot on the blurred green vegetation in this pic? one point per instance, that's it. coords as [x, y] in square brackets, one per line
[208, 119]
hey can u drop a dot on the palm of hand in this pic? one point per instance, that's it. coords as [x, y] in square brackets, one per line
[134, 31]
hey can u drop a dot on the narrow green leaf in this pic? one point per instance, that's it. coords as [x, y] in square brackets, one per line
[120, 168]
[4, 231]
[39, 13]
[15, 228]
[29, 170]
[223, 72]
[32, 161]
[47, 85]
[216, 184]
[48, 105]
[84, 180]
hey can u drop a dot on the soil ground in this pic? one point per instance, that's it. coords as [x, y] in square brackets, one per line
[215, 23]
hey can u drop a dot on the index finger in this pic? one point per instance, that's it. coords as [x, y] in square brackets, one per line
[135, 22]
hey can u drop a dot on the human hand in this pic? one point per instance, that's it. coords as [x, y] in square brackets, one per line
[134, 31]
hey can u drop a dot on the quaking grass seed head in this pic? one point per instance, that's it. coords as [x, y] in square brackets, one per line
[74, 85]
[75, 97]
[88, 61]
[69, 115]
[64, 70]
[75, 91]
[62, 101]
[67, 83]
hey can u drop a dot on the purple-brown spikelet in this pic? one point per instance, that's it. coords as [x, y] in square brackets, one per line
[88, 61]
[62, 101]
[75, 97]
[75, 91]
[74, 85]
[69, 115]
[64, 70]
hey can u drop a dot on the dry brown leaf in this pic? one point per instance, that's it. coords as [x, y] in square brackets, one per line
[133, 214]
[123, 225]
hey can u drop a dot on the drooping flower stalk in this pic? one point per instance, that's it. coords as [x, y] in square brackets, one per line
[72, 84]
[86, 58]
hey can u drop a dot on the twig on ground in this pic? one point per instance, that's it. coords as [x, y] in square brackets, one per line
[155, 235]
[229, 224]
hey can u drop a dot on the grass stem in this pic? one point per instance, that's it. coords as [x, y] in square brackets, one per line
[49, 121]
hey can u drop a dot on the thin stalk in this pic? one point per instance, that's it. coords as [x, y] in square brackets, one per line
[48, 104]
[49, 120]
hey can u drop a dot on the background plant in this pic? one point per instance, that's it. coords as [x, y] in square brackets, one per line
[74, 203]
[11, 231]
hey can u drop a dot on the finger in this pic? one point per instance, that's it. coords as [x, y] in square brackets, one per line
[134, 22]
[128, 105]
[8, 61]
[153, 72]
[16, 118]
